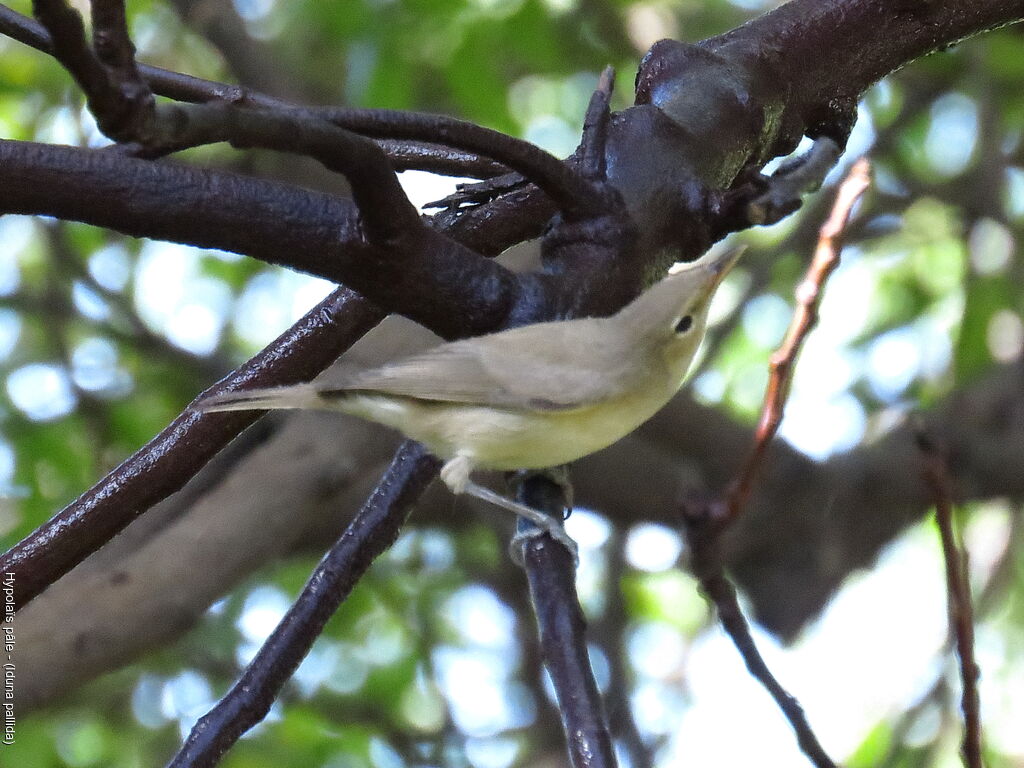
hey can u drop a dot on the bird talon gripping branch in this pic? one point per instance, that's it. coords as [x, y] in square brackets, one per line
[525, 533]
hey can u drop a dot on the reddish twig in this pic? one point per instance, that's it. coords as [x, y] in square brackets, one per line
[706, 523]
[961, 610]
[808, 297]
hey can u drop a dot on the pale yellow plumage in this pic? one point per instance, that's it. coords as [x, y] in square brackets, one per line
[530, 397]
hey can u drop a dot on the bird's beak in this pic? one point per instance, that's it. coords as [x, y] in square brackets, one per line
[718, 267]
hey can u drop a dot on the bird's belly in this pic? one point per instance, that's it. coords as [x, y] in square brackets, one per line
[505, 439]
[550, 438]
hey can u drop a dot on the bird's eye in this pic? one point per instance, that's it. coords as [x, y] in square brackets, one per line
[684, 324]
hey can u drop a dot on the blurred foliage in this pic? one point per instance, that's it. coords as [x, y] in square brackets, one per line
[103, 339]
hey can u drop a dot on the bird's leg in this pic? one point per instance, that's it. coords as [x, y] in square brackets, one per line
[544, 523]
[758, 199]
[455, 474]
[794, 179]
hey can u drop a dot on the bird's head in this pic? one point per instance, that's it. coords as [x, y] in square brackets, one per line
[672, 315]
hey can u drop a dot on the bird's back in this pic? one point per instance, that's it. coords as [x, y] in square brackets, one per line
[546, 366]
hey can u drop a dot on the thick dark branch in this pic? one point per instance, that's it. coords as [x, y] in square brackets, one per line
[828, 53]
[838, 515]
[277, 223]
[183, 447]
[385, 213]
[123, 106]
[374, 269]
[68, 46]
[562, 627]
[122, 102]
[117, 95]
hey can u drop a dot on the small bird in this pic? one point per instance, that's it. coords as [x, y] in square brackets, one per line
[531, 397]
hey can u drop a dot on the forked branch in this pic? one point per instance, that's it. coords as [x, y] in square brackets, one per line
[423, 154]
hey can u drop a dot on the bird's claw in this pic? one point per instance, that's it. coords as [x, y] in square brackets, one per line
[530, 530]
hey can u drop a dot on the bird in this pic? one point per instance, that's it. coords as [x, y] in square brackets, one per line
[531, 397]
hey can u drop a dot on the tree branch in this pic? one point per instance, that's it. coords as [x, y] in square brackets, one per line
[423, 155]
[717, 167]
[958, 589]
[839, 514]
[277, 223]
[829, 53]
[372, 531]
[551, 574]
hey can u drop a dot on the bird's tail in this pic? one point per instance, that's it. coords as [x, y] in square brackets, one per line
[297, 396]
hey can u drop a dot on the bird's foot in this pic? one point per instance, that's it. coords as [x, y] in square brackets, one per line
[560, 476]
[545, 524]
[553, 528]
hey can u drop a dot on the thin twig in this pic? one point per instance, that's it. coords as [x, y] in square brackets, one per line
[722, 593]
[371, 532]
[405, 155]
[961, 611]
[705, 524]
[610, 631]
[595, 128]
[808, 296]
[427, 156]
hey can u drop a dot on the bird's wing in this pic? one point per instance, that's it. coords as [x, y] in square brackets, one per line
[539, 367]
